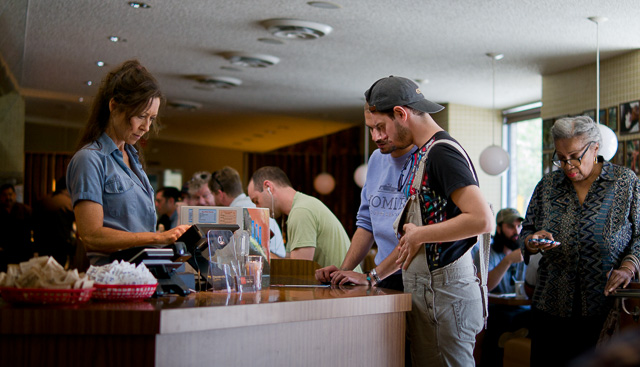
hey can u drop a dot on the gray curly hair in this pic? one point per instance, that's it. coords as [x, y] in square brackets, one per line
[582, 127]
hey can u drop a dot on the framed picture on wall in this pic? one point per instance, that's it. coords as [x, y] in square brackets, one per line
[547, 142]
[629, 113]
[603, 116]
[612, 118]
[590, 113]
[618, 158]
[632, 151]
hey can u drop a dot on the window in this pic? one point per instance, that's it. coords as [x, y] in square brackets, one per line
[524, 144]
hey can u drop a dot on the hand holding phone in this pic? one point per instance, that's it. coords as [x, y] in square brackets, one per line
[544, 241]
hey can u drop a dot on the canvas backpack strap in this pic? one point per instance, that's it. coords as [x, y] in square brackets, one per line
[484, 239]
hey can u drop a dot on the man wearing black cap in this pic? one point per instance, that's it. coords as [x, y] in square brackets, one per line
[447, 305]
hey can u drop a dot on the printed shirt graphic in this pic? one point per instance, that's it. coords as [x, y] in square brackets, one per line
[446, 171]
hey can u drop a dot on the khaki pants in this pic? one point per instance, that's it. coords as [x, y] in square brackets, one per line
[446, 312]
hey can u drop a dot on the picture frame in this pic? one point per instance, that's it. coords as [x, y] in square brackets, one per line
[612, 118]
[632, 155]
[603, 116]
[547, 141]
[619, 157]
[628, 118]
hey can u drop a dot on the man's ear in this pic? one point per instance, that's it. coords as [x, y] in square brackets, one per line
[400, 113]
[112, 105]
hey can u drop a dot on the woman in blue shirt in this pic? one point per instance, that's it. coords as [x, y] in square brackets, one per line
[112, 197]
[591, 209]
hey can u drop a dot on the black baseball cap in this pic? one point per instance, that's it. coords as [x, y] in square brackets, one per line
[393, 91]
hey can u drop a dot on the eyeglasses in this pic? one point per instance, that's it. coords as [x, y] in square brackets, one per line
[575, 162]
[402, 180]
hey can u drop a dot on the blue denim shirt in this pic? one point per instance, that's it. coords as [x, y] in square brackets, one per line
[97, 172]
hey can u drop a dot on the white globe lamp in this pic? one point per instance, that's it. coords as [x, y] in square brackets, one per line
[494, 160]
[324, 183]
[609, 142]
[360, 175]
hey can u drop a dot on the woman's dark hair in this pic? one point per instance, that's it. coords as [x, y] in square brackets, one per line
[132, 88]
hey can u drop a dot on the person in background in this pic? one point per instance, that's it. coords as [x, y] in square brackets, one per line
[590, 209]
[437, 267]
[16, 226]
[112, 198]
[54, 232]
[313, 231]
[199, 192]
[226, 187]
[506, 264]
[167, 199]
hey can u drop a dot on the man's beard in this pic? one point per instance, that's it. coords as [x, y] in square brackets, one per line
[500, 241]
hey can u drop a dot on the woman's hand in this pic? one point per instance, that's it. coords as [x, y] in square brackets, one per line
[172, 235]
[534, 247]
[621, 276]
[341, 277]
[408, 245]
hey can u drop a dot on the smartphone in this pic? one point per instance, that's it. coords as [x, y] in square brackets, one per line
[544, 241]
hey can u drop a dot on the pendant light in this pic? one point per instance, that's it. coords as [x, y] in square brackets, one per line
[360, 175]
[494, 160]
[324, 183]
[609, 139]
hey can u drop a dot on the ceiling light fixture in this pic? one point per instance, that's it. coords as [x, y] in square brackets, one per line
[296, 29]
[251, 60]
[494, 160]
[223, 82]
[88, 82]
[137, 5]
[100, 63]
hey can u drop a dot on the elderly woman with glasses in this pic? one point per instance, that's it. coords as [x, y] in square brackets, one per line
[584, 219]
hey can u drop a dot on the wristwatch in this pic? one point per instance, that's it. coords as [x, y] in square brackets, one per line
[375, 276]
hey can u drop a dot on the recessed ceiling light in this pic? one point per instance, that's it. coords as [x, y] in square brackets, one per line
[80, 99]
[324, 5]
[251, 60]
[271, 41]
[88, 82]
[296, 29]
[137, 5]
[100, 63]
[114, 38]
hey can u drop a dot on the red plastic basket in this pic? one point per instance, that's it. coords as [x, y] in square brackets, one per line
[46, 296]
[123, 292]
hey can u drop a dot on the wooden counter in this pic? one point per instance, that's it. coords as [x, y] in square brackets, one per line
[279, 326]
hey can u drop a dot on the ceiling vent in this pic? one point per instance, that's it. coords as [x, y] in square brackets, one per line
[296, 29]
[222, 82]
[251, 60]
[184, 105]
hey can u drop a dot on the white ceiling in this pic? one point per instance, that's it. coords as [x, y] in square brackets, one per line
[318, 85]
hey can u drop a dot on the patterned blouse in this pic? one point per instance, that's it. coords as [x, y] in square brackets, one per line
[594, 237]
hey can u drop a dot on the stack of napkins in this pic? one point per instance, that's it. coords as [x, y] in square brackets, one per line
[43, 272]
[121, 272]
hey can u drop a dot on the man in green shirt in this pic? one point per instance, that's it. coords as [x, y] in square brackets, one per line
[313, 231]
